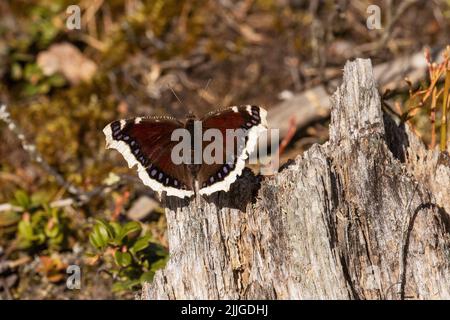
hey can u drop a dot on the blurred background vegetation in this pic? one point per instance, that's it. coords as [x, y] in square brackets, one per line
[63, 86]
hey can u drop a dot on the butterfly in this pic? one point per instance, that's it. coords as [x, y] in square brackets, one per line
[151, 142]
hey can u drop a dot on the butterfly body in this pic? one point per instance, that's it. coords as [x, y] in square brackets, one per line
[151, 144]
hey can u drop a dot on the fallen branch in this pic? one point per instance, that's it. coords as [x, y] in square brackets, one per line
[314, 104]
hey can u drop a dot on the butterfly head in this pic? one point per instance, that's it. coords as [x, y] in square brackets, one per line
[191, 116]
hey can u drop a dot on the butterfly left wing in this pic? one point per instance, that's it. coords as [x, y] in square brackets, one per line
[219, 176]
[146, 142]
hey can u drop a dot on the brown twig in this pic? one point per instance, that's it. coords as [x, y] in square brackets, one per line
[392, 21]
[240, 27]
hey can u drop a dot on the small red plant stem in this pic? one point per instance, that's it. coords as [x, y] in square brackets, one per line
[433, 119]
[120, 202]
[445, 102]
[289, 135]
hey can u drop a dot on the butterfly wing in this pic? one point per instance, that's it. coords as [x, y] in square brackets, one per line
[146, 142]
[251, 119]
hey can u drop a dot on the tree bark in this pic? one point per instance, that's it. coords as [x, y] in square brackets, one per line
[363, 216]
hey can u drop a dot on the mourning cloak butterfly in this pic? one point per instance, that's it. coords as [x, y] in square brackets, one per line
[149, 143]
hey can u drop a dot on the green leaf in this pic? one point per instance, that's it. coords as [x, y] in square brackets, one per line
[119, 286]
[40, 238]
[95, 241]
[122, 259]
[53, 232]
[160, 251]
[22, 199]
[159, 264]
[144, 263]
[99, 236]
[125, 285]
[57, 240]
[147, 276]
[103, 233]
[54, 212]
[128, 228]
[90, 254]
[8, 218]
[30, 90]
[140, 244]
[108, 227]
[40, 197]
[25, 230]
[37, 218]
[57, 80]
[32, 72]
[131, 227]
[116, 227]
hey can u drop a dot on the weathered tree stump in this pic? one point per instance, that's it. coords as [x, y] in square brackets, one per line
[364, 216]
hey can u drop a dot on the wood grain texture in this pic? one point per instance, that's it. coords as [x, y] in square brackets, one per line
[364, 216]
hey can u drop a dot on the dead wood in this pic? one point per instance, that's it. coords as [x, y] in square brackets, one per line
[364, 216]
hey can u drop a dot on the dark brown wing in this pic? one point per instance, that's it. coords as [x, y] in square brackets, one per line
[146, 142]
[250, 120]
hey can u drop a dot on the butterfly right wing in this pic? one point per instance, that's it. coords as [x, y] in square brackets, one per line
[252, 120]
[146, 142]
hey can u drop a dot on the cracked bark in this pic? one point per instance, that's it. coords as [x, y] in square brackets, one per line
[364, 216]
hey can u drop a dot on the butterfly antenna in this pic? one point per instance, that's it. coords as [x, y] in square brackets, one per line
[207, 84]
[175, 95]
[204, 91]
[191, 113]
